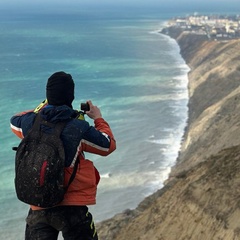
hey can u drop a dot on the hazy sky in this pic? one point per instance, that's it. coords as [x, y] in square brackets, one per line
[168, 4]
[120, 2]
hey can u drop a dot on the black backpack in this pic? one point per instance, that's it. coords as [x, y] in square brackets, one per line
[39, 165]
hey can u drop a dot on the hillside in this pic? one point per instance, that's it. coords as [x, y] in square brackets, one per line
[201, 198]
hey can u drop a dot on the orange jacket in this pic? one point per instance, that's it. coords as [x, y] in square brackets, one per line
[82, 191]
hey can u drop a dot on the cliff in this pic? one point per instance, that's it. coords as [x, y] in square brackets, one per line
[201, 198]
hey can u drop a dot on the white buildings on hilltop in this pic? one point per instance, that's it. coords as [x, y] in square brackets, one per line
[212, 26]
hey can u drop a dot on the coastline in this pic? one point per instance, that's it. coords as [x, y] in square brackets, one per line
[188, 199]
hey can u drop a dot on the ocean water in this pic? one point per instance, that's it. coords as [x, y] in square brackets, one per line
[134, 74]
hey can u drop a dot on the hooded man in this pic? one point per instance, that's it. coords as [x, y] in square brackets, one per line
[71, 216]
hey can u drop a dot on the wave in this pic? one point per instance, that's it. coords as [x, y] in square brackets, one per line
[134, 179]
[106, 175]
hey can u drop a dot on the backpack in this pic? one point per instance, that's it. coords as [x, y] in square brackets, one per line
[39, 165]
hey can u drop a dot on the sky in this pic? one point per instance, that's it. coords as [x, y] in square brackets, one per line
[168, 5]
[121, 2]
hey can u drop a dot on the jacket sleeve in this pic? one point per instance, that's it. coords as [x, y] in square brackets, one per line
[16, 123]
[99, 139]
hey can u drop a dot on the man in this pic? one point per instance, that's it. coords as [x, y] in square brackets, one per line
[71, 216]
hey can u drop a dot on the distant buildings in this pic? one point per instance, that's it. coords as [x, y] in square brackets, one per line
[215, 27]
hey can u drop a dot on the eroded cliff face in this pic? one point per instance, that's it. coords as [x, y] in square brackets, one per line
[214, 103]
[201, 198]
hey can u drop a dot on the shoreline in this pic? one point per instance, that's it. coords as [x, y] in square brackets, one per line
[211, 133]
[168, 182]
[182, 78]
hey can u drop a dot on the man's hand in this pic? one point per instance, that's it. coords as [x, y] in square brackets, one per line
[94, 111]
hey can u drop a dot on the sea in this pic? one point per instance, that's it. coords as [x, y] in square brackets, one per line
[121, 62]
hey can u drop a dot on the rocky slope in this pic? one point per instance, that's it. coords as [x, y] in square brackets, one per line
[201, 198]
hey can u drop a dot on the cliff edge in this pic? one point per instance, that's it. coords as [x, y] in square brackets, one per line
[201, 198]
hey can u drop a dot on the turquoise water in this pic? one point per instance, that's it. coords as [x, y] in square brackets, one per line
[134, 74]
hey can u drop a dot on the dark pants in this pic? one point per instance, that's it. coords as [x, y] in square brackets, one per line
[75, 223]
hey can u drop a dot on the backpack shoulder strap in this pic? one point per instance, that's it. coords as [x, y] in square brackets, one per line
[58, 127]
[73, 174]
